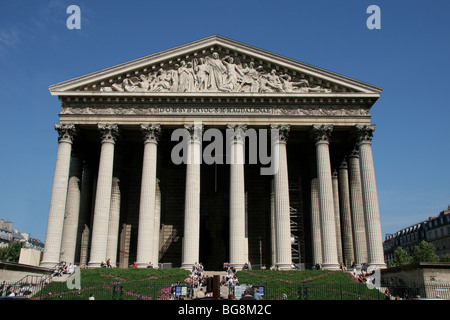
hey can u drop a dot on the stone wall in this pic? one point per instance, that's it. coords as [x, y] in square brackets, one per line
[13, 272]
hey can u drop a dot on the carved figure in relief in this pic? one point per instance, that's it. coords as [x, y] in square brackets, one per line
[249, 81]
[232, 74]
[143, 84]
[201, 72]
[174, 79]
[301, 86]
[290, 86]
[187, 78]
[119, 87]
[216, 69]
[270, 82]
[162, 82]
[212, 74]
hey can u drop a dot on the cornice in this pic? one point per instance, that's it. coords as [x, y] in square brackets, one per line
[222, 99]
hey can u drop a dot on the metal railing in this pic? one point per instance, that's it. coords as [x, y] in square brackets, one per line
[156, 291]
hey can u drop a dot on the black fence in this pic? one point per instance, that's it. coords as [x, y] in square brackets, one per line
[157, 291]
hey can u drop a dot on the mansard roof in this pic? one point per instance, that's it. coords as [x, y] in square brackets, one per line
[214, 65]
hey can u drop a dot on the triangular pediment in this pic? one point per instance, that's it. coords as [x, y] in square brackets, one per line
[213, 65]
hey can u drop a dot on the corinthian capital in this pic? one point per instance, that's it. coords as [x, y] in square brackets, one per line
[66, 132]
[283, 131]
[151, 132]
[108, 132]
[236, 132]
[322, 133]
[195, 130]
[364, 133]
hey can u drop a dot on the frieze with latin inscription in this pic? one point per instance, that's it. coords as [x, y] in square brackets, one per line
[327, 110]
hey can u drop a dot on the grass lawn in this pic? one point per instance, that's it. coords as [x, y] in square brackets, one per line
[309, 284]
[117, 284]
[152, 284]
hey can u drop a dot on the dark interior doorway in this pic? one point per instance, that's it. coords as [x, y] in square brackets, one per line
[214, 216]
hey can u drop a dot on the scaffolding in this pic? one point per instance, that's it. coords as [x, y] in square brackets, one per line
[297, 222]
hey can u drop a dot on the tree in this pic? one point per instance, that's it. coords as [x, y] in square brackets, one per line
[424, 252]
[401, 257]
[12, 252]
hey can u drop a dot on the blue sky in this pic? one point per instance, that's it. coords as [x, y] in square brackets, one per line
[408, 57]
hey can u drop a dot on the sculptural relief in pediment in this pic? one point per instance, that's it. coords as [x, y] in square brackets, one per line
[211, 73]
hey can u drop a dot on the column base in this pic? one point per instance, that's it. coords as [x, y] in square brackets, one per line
[330, 266]
[237, 266]
[373, 266]
[284, 266]
[187, 266]
[141, 265]
[94, 264]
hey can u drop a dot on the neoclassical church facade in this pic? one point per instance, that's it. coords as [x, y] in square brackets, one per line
[121, 194]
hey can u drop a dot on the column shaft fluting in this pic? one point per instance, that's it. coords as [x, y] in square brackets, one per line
[191, 237]
[156, 245]
[72, 213]
[370, 196]
[59, 196]
[114, 215]
[357, 209]
[103, 196]
[273, 237]
[85, 215]
[346, 218]
[316, 233]
[326, 202]
[282, 205]
[148, 197]
[237, 199]
[337, 216]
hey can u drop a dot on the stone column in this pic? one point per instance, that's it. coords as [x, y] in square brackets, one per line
[148, 196]
[72, 213]
[102, 207]
[191, 238]
[59, 195]
[85, 214]
[370, 197]
[346, 218]
[273, 237]
[282, 208]
[237, 197]
[337, 216]
[316, 233]
[155, 259]
[329, 248]
[357, 209]
[114, 213]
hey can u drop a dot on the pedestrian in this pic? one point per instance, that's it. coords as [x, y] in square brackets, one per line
[200, 294]
[256, 294]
